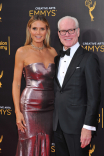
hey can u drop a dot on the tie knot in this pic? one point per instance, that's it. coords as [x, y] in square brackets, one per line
[63, 53]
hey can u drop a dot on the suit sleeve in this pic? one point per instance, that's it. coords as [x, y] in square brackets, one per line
[92, 74]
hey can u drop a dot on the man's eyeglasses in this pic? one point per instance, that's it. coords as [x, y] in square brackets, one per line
[70, 31]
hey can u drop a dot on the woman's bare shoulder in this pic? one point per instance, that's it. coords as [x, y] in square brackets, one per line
[53, 51]
[21, 51]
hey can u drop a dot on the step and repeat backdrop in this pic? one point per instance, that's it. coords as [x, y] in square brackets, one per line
[14, 16]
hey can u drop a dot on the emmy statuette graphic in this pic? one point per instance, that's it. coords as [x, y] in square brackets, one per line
[88, 4]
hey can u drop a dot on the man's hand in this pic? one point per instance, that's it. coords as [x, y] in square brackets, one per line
[85, 137]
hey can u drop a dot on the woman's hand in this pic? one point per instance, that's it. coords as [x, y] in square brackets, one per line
[20, 122]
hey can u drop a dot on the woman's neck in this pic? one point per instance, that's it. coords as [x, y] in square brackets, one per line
[37, 44]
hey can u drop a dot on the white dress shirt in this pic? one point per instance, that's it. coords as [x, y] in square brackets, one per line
[62, 69]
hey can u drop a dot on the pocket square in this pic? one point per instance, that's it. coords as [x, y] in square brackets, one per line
[77, 67]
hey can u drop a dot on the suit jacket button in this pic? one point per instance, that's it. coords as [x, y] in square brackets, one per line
[61, 91]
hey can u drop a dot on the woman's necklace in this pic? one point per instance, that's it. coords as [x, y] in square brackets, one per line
[37, 48]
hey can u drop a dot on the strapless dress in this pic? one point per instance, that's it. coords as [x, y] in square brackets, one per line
[36, 104]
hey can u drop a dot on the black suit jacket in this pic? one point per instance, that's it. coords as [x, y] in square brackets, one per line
[77, 101]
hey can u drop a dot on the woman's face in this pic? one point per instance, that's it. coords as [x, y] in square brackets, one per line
[38, 31]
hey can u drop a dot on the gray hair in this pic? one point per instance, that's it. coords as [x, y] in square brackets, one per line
[69, 17]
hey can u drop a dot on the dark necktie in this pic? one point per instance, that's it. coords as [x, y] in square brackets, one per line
[63, 53]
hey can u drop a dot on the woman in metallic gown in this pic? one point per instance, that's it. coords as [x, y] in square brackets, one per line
[34, 109]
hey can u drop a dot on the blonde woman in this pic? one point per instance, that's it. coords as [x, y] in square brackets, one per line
[34, 109]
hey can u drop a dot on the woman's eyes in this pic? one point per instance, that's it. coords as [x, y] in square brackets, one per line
[37, 29]
[34, 28]
[42, 29]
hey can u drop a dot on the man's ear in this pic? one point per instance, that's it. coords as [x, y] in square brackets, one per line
[58, 34]
[78, 32]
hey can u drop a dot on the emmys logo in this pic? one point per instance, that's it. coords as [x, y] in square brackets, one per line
[5, 110]
[93, 46]
[1, 139]
[46, 11]
[1, 75]
[91, 150]
[88, 4]
[0, 10]
[53, 147]
[5, 45]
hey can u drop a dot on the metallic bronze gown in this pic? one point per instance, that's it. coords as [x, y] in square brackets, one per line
[36, 104]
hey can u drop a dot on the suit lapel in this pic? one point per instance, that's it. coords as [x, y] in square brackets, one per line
[57, 59]
[73, 64]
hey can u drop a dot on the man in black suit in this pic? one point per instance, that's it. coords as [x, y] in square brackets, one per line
[77, 92]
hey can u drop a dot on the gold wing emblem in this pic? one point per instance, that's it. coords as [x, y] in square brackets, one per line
[1, 75]
[1, 139]
[88, 4]
[0, 6]
[0, 85]
[0, 150]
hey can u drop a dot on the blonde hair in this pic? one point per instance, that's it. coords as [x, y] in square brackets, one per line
[28, 35]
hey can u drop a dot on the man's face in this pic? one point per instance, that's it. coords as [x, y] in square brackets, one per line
[68, 40]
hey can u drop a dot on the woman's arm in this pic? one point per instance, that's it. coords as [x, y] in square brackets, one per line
[16, 88]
